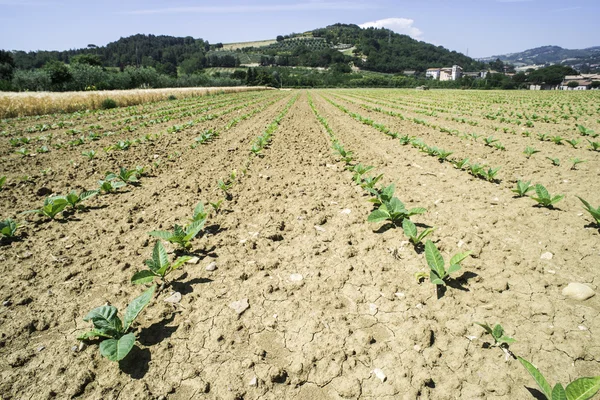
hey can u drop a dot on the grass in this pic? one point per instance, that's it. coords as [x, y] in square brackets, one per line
[24, 104]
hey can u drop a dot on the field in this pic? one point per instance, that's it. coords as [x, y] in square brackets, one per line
[299, 287]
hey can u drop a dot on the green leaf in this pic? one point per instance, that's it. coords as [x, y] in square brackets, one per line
[94, 333]
[416, 210]
[87, 194]
[410, 229]
[192, 229]
[558, 393]
[117, 349]
[458, 258]
[160, 258]
[434, 259]
[498, 331]
[542, 192]
[145, 276]
[105, 319]
[180, 261]
[165, 235]
[583, 388]
[136, 306]
[557, 198]
[538, 377]
[487, 328]
[506, 339]
[453, 268]
[378, 216]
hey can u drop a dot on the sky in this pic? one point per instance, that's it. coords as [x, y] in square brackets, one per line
[479, 28]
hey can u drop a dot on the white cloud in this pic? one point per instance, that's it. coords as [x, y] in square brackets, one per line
[399, 25]
[310, 5]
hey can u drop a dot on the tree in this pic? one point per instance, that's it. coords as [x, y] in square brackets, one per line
[595, 84]
[89, 59]
[573, 84]
[7, 65]
[279, 38]
[59, 73]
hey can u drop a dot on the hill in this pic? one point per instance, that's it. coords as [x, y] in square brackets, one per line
[551, 55]
[372, 49]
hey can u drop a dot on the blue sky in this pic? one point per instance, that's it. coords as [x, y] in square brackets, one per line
[484, 27]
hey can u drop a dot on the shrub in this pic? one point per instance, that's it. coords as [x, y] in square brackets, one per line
[172, 97]
[108, 103]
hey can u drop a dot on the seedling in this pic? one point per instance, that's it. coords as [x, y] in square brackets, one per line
[23, 152]
[394, 211]
[43, 149]
[345, 156]
[499, 146]
[369, 183]
[585, 131]
[117, 342]
[8, 228]
[74, 200]
[216, 206]
[573, 142]
[110, 186]
[523, 188]
[490, 174]
[158, 267]
[404, 140]
[595, 146]
[579, 389]
[555, 161]
[529, 151]
[2, 181]
[497, 333]
[576, 161]
[460, 164]
[544, 198]
[199, 213]
[476, 169]
[542, 137]
[384, 194]
[51, 208]
[359, 170]
[410, 230]
[489, 141]
[594, 212]
[125, 175]
[89, 154]
[438, 274]
[557, 139]
[181, 235]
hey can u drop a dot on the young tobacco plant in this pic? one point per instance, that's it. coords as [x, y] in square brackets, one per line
[579, 389]
[522, 188]
[383, 194]
[555, 161]
[110, 186]
[51, 208]
[543, 197]
[359, 170]
[127, 176]
[2, 182]
[395, 211]
[438, 274]
[410, 230]
[158, 266]
[74, 200]
[117, 341]
[8, 228]
[576, 161]
[594, 212]
[529, 151]
[217, 205]
[199, 213]
[497, 333]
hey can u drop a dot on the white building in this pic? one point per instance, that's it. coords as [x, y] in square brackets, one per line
[445, 74]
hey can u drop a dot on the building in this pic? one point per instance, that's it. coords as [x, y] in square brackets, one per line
[582, 84]
[433, 73]
[444, 74]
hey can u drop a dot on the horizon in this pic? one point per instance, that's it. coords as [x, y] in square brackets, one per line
[483, 24]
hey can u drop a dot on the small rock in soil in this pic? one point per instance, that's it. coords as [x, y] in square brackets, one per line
[174, 298]
[193, 260]
[546, 256]
[239, 306]
[296, 277]
[578, 291]
[253, 382]
[379, 374]
[212, 266]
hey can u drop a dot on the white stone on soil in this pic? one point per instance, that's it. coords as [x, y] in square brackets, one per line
[174, 298]
[379, 374]
[193, 260]
[578, 291]
[212, 266]
[296, 277]
[240, 306]
[546, 256]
